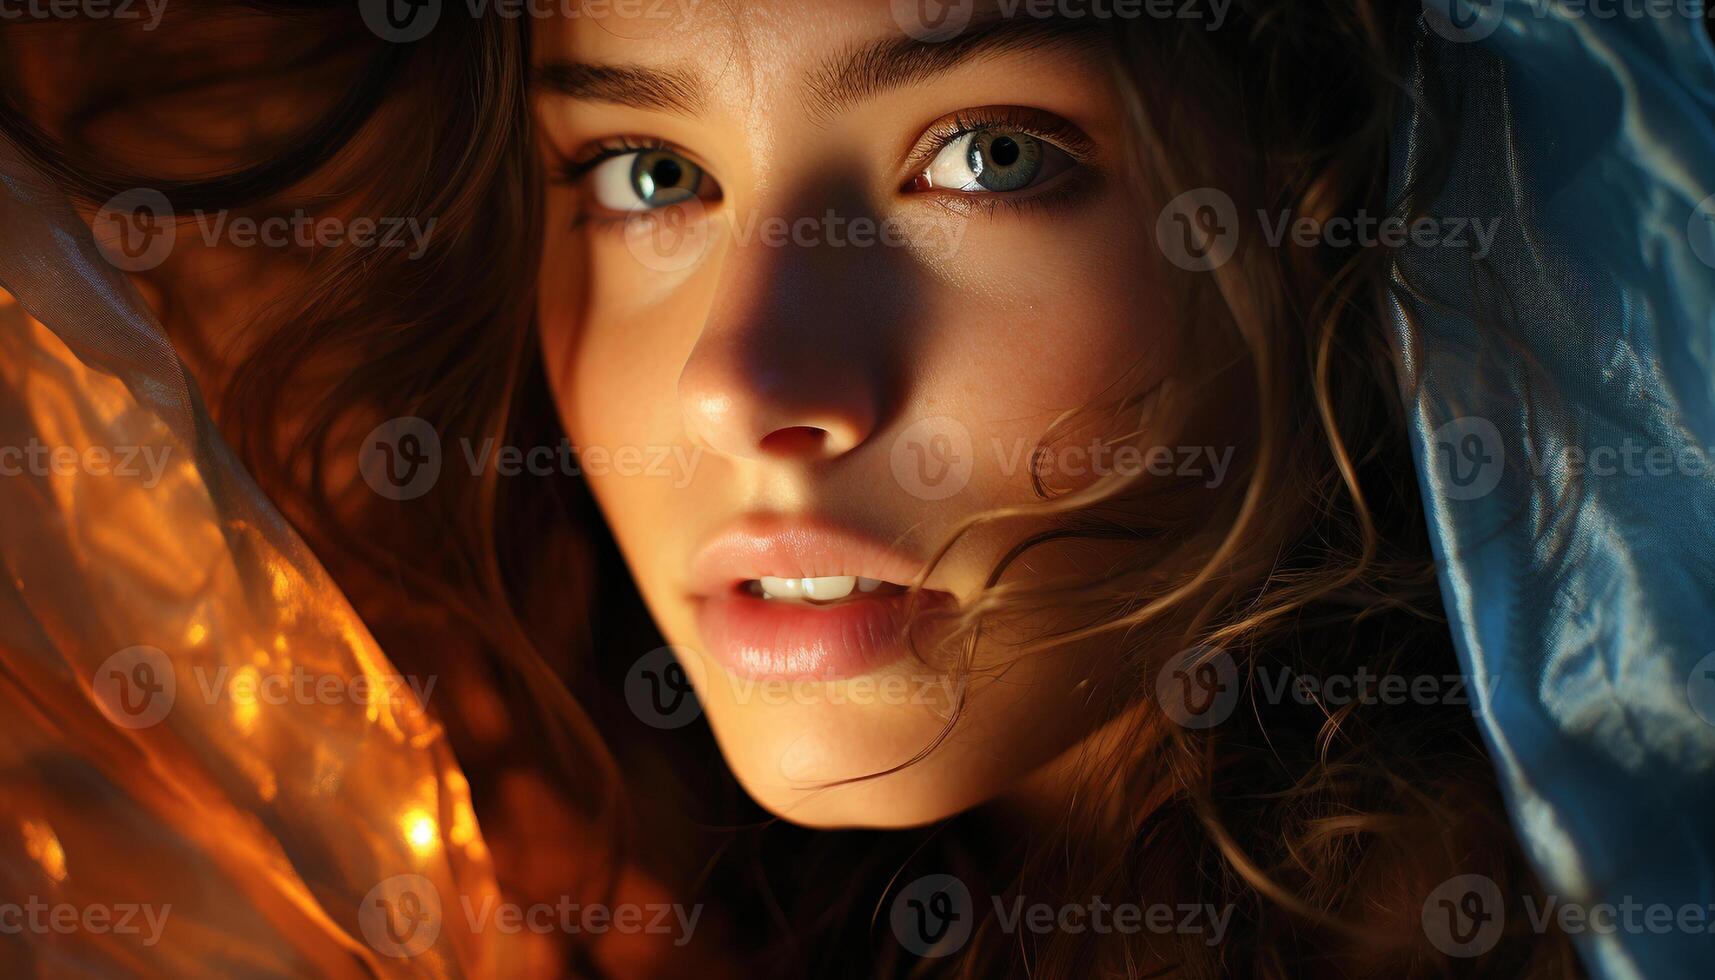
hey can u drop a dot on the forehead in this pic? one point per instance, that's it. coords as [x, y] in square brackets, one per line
[664, 31]
[803, 34]
[766, 53]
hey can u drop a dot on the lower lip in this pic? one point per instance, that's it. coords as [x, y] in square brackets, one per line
[759, 638]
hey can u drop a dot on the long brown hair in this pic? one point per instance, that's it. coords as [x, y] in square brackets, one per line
[1321, 827]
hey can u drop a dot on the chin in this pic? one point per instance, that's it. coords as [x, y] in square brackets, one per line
[924, 792]
[882, 803]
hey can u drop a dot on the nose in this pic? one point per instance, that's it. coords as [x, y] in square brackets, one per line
[791, 364]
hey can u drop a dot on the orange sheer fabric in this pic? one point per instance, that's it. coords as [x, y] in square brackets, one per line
[209, 767]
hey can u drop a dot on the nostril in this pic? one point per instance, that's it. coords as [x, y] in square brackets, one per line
[797, 440]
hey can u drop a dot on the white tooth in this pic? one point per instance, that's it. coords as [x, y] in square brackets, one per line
[868, 584]
[782, 588]
[829, 587]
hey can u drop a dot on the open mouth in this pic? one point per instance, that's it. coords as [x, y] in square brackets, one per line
[826, 627]
[821, 590]
[777, 596]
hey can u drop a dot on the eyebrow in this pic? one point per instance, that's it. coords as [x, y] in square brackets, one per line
[842, 81]
[890, 63]
[660, 89]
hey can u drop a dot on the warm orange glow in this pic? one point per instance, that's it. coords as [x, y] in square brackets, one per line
[242, 691]
[43, 846]
[420, 830]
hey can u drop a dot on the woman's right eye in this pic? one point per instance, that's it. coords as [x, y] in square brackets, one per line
[645, 180]
[993, 160]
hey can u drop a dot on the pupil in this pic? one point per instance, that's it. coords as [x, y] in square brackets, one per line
[1004, 152]
[666, 173]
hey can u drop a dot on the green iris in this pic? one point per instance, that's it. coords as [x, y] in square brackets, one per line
[1004, 160]
[661, 178]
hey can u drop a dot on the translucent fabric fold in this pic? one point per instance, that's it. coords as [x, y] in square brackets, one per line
[209, 767]
[1561, 387]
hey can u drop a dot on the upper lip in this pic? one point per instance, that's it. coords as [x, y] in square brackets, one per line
[787, 547]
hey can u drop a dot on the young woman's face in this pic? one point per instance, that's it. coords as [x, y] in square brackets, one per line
[813, 290]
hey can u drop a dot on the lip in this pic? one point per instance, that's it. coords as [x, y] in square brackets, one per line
[757, 638]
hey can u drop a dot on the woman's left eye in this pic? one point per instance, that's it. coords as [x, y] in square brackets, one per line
[644, 180]
[994, 161]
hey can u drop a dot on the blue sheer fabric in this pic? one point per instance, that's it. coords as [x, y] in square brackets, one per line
[1562, 397]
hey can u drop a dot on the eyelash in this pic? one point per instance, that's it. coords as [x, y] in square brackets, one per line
[1043, 126]
[572, 171]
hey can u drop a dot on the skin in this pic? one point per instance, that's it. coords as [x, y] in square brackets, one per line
[787, 373]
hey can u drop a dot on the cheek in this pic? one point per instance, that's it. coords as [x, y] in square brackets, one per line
[1046, 317]
[614, 339]
[1054, 349]
[562, 290]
